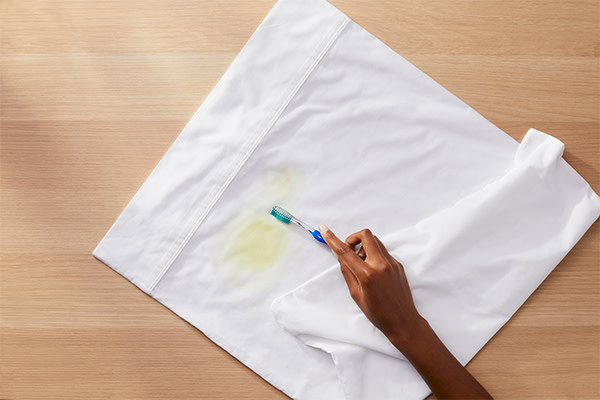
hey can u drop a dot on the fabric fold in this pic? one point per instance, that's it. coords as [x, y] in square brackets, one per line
[470, 267]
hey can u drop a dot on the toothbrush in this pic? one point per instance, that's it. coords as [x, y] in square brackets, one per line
[286, 218]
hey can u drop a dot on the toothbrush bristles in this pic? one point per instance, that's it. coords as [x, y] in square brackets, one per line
[281, 214]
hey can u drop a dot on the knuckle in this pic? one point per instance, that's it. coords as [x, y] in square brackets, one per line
[369, 276]
[342, 250]
[366, 231]
[380, 263]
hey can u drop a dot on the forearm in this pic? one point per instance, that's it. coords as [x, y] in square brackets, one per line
[444, 374]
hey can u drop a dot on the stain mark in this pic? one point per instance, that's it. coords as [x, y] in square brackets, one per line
[257, 244]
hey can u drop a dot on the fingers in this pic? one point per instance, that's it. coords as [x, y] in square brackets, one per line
[384, 250]
[371, 246]
[343, 251]
[361, 252]
[390, 258]
[349, 261]
[366, 238]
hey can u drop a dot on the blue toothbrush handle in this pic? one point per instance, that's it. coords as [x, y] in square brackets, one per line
[317, 235]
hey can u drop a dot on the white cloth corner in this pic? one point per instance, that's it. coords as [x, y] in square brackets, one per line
[470, 267]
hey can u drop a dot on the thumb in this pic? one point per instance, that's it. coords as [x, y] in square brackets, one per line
[344, 253]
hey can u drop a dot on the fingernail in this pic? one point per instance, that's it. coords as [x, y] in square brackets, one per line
[323, 228]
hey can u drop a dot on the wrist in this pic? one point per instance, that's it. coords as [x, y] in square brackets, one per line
[410, 340]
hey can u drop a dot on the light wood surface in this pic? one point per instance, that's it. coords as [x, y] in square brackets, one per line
[92, 93]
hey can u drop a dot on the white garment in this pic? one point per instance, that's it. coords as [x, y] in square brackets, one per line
[470, 267]
[319, 117]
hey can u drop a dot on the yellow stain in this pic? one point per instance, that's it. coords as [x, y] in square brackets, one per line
[257, 244]
[252, 250]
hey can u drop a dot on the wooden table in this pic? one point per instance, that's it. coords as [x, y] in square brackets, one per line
[92, 94]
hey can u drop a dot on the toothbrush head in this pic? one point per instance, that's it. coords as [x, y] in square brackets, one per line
[281, 214]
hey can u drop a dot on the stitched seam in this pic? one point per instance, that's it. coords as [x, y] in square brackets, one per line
[204, 211]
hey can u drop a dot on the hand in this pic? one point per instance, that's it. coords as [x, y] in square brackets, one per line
[378, 285]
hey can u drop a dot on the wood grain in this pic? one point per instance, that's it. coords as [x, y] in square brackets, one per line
[93, 93]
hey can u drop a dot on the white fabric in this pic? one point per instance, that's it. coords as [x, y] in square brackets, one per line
[470, 267]
[319, 117]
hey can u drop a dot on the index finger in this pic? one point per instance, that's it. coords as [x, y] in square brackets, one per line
[342, 250]
[368, 241]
